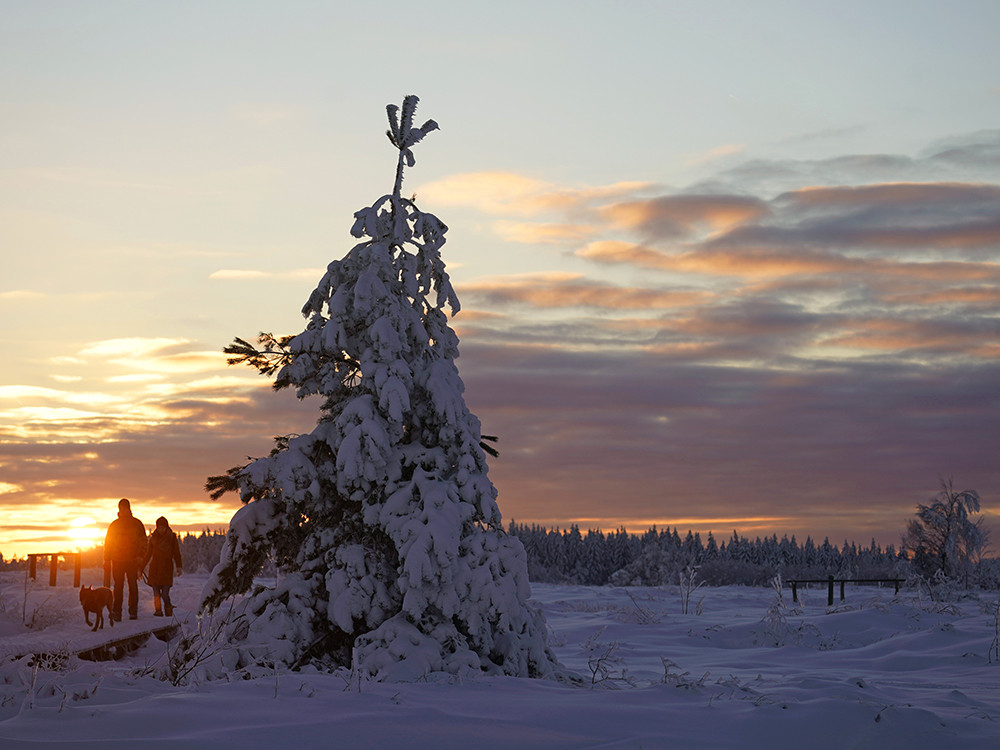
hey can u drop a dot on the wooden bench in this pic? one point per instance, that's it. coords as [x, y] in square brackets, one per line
[54, 565]
[829, 582]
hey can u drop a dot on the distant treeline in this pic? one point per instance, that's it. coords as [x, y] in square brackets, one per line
[654, 558]
[659, 557]
[662, 557]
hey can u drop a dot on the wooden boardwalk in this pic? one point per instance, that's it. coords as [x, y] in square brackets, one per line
[103, 645]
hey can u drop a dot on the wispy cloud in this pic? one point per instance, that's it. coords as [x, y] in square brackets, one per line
[20, 295]
[131, 347]
[543, 233]
[572, 290]
[152, 357]
[295, 274]
[824, 135]
[715, 154]
[495, 193]
[21, 393]
[675, 216]
[508, 194]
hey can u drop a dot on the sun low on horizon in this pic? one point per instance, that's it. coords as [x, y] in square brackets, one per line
[83, 532]
[50, 531]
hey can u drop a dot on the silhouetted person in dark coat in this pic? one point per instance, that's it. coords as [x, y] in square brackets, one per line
[162, 552]
[125, 547]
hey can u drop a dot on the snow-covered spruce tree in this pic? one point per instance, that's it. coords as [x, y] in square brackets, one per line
[382, 522]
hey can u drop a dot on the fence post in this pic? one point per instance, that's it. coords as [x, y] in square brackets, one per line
[842, 590]
[53, 569]
[829, 592]
[32, 566]
[795, 591]
[77, 569]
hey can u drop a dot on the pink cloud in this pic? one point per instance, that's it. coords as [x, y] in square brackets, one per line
[669, 217]
[544, 234]
[509, 194]
[573, 291]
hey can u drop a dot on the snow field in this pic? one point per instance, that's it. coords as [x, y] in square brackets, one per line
[875, 672]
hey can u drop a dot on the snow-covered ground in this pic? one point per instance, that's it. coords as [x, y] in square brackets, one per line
[876, 672]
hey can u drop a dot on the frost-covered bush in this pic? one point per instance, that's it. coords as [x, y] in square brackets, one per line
[945, 537]
[382, 521]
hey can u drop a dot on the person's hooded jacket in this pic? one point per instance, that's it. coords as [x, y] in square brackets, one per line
[163, 551]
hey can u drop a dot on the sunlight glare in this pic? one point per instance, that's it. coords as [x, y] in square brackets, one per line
[83, 532]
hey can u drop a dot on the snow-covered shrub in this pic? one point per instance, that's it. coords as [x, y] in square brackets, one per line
[945, 538]
[688, 583]
[683, 680]
[775, 619]
[993, 610]
[382, 521]
[607, 668]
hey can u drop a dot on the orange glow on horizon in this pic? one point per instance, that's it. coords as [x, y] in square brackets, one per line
[726, 524]
[42, 528]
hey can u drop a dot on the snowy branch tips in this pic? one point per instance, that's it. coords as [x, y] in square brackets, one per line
[382, 523]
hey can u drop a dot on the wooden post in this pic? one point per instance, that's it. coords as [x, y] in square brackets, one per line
[842, 591]
[897, 585]
[829, 591]
[795, 591]
[53, 568]
[32, 566]
[77, 569]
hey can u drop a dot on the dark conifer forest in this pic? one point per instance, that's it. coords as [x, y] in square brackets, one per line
[657, 557]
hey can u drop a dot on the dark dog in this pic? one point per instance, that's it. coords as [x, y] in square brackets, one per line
[95, 600]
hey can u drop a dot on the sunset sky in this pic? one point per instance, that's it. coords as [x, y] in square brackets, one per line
[723, 265]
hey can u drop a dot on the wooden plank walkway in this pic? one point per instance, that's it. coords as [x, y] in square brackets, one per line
[120, 647]
[103, 645]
